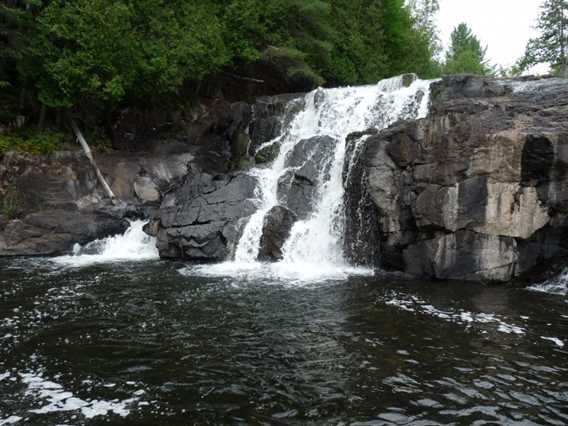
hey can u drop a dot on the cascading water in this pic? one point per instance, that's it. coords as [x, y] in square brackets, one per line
[133, 245]
[316, 241]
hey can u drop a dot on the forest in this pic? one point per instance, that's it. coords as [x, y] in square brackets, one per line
[100, 56]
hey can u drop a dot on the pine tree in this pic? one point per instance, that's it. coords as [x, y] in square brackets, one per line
[466, 55]
[550, 46]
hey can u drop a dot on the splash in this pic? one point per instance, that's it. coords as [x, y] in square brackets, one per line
[134, 245]
[557, 286]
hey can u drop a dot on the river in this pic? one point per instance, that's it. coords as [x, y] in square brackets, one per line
[160, 343]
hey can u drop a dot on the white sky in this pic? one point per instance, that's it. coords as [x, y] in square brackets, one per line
[503, 25]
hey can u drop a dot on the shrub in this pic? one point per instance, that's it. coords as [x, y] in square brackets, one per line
[31, 142]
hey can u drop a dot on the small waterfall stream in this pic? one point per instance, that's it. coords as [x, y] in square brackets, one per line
[134, 245]
[316, 240]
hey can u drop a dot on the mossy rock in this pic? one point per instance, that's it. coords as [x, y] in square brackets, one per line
[267, 154]
[408, 79]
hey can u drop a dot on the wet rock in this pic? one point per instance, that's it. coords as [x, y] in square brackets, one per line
[201, 219]
[463, 255]
[270, 115]
[152, 228]
[267, 153]
[309, 164]
[476, 191]
[54, 232]
[278, 223]
[362, 238]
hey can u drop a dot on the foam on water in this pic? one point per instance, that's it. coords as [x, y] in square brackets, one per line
[133, 245]
[414, 304]
[280, 272]
[557, 286]
[314, 249]
[51, 397]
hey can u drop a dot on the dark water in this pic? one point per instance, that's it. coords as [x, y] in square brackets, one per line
[140, 344]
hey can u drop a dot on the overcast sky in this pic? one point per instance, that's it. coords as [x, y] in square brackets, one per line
[503, 25]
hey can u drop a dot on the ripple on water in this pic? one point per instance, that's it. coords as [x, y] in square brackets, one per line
[140, 343]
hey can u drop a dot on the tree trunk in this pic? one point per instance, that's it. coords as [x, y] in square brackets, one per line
[89, 155]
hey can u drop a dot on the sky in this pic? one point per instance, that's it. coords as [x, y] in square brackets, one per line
[503, 25]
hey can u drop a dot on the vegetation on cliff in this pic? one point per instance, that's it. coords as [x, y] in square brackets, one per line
[60, 54]
[96, 57]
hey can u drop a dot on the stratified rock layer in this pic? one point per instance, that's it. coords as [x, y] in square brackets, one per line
[477, 191]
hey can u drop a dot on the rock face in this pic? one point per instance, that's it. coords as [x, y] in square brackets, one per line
[308, 163]
[476, 191]
[54, 232]
[202, 218]
[210, 137]
[268, 122]
[278, 223]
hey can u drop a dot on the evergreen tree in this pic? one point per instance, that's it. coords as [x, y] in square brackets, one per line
[466, 55]
[424, 13]
[135, 50]
[550, 46]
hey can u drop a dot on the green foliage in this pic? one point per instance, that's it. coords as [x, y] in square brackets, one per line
[550, 45]
[106, 54]
[293, 63]
[466, 54]
[93, 49]
[31, 142]
[11, 203]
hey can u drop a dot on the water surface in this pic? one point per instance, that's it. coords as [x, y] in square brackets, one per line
[158, 343]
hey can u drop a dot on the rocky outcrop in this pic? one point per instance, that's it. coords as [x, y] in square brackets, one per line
[268, 122]
[476, 191]
[50, 202]
[209, 137]
[308, 165]
[54, 232]
[202, 218]
[278, 223]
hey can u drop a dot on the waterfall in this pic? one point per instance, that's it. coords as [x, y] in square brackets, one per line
[312, 144]
[133, 245]
[334, 113]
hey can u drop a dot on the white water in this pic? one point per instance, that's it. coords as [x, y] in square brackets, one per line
[133, 245]
[557, 286]
[315, 246]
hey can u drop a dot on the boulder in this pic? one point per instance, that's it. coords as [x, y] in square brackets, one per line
[276, 229]
[201, 220]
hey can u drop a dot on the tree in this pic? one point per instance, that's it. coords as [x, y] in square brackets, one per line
[550, 46]
[135, 50]
[466, 55]
[423, 13]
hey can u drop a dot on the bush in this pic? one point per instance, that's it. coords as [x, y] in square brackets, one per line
[31, 142]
